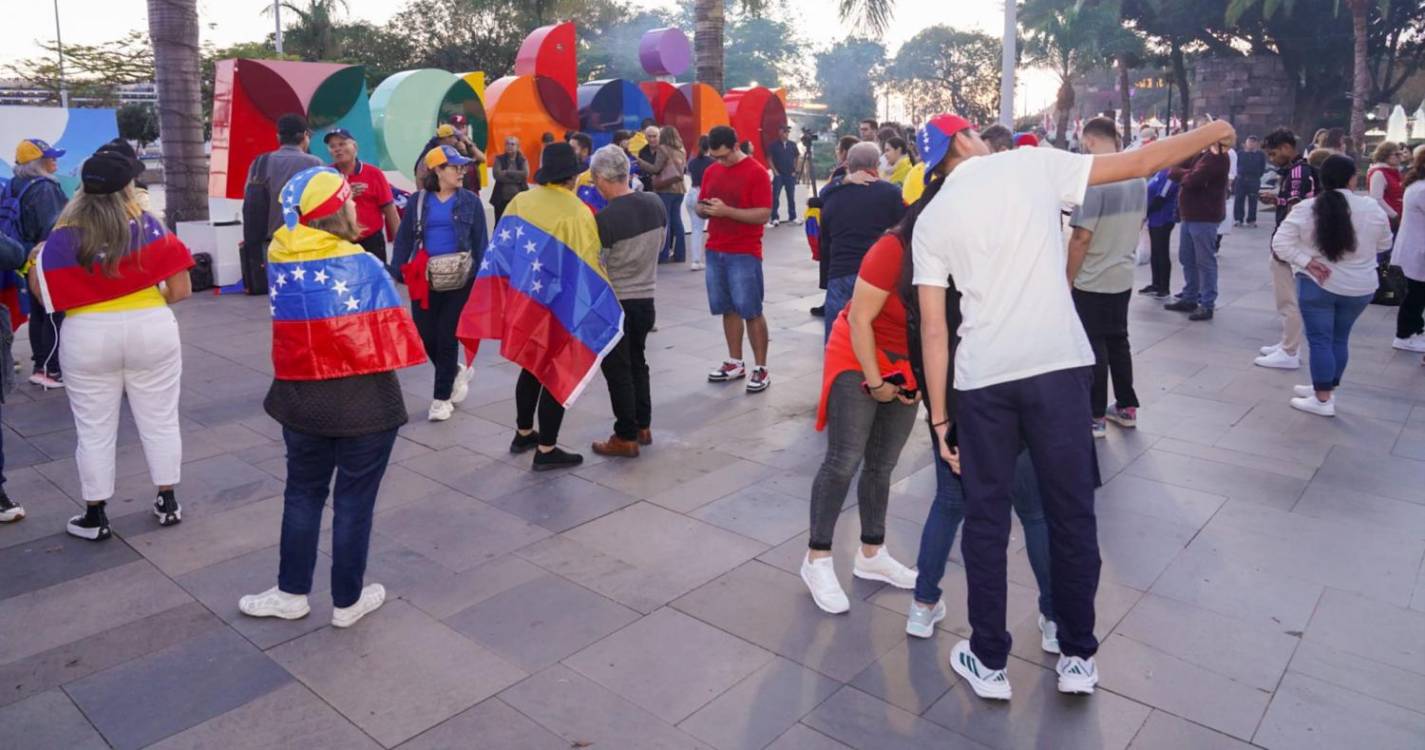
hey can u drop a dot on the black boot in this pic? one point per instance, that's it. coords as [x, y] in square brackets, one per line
[93, 525]
[9, 511]
[167, 509]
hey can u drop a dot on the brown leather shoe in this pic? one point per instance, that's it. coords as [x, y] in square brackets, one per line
[645, 437]
[617, 446]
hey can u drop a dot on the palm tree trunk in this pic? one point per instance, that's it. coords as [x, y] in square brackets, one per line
[173, 30]
[1064, 102]
[708, 42]
[1361, 86]
[1180, 73]
[1125, 100]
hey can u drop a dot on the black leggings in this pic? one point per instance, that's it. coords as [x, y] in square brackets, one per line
[436, 325]
[1410, 318]
[1161, 258]
[530, 396]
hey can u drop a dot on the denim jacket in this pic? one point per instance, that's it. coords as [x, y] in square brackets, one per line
[39, 208]
[471, 233]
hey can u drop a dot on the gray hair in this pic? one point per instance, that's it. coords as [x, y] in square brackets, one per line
[34, 168]
[863, 156]
[610, 163]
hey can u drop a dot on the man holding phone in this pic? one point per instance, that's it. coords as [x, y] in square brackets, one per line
[1297, 182]
[736, 199]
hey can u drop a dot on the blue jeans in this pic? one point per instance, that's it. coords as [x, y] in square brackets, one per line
[789, 184]
[359, 464]
[734, 282]
[838, 295]
[1197, 251]
[1328, 318]
[949, 509]
[674, 243]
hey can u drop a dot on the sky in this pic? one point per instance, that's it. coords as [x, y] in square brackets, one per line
[225, 22]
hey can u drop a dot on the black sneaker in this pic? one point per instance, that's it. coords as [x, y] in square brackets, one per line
[556, 459]
[1201, 313]
[1181, 305]
[9, 511]
[1150, 290]
[167, 509]
[819, 311]
[524, 443]
[93, 525]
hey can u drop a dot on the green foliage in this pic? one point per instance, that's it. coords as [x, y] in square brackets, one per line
[946, 70]
[138, 122]
[764, 50]
[847, 75]
[91, 71]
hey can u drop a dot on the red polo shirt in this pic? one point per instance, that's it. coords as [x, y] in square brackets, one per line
[369, 204]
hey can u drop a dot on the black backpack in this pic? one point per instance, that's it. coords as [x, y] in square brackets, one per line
[201, 275]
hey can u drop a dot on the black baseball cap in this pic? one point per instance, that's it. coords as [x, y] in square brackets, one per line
[557, 163]
[108, 172]
[291, 124]
[338, 133]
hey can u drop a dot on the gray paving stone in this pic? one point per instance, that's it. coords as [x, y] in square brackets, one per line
[1341, 505]
[441, 593]
[220, 585]
[866, 723]
[1166, 502]
[651, 480]
[46, 721]
[720, 482]
[1384, 682]
[587, 715]
[492, 725]
[563, 503]
[77, 659]
[538, 623]
[1371, 629]
[761, 708]
[758, 512]
[47, 509]
[397, 673]
[1249, 653]
[55, 559]
[772, 609]
[206, 539]
[1307, 714]
[290, 716]
[457, 530]
[66, 612]
[1235, 482]
[1136, 549]
[642, 556]
[145, 700]
[1039, 715]
[802, 737]
[913, 674]
[1158, 679]
[1163, 731]
[902, 541]
[669, 663]
[1364, 471]
[1205, 575]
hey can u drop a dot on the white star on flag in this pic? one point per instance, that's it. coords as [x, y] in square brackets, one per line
[281, 279]
[504, 235]
[529, 247]
[320, 277]
[484, 264]
[536, 265]
[339, 287]
[273, 292]
[536, 286]
[274, 309]
[519, 231]
[299, 273]
[351, 303]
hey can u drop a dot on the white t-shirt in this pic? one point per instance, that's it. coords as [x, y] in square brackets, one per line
[994, 227]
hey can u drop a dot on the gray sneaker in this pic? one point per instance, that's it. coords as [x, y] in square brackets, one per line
[920, 622]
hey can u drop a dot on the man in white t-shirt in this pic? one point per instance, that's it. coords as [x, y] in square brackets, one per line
[1022, 371]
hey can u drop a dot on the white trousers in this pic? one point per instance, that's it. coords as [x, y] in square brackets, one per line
[698, 225]
[106, 356]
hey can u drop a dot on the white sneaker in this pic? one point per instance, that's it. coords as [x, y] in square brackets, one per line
[883, 568]
[1278, 360]
[461, 390]
[372, 597]
[1077, 675]
[1415, 343]
[730, 369]
[1304, 391]
[275, 602]
[820, 578]
[440, 411]
[695, 266]
[986, 682]
[1048, 635]
[1311, 405]
[1264, 351]
[920, 620]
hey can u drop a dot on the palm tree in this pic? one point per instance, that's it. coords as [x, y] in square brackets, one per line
[1360, 15]
[173, 29]
[709, 19]
[1070, 39]
[313, 36]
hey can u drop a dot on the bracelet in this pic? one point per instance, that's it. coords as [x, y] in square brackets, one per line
[940, 424]
[876, 387]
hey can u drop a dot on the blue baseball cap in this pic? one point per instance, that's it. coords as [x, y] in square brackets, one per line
[935, 139]
[338, 133]
[31, 149]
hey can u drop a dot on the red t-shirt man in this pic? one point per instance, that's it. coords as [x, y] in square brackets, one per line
[370, 191]
[743, 185]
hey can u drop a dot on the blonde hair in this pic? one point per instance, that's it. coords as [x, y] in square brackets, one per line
[101, 222]
[1384, 151]
[342, 223]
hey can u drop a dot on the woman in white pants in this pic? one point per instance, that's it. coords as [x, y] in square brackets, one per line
[697, 224]
[113, 269]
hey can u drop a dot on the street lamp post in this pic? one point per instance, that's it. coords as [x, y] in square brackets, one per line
[277, 18]
[59, 47]
[1006, 80]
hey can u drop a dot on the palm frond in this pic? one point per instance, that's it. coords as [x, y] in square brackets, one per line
[876, 14]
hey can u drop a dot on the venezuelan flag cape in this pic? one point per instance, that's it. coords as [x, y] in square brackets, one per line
[335, 310]
[543, 293]
[813, 227]
[154, 255]
[15, 297]
[590, 195]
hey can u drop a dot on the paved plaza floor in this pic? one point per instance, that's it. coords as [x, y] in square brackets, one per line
[1262, 578]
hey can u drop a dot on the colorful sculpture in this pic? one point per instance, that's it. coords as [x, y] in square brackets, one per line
[249, 96]
[665, 52]
[607, 106]
[549, 52]
[757, 114]
[407, 107]
[77, 131]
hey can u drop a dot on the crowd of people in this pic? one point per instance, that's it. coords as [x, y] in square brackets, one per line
[1009, 329]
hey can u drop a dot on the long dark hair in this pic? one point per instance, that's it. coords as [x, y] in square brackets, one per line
[1417, 169]
[1335, 235]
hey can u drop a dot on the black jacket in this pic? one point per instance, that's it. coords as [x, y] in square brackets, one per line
[853, 217]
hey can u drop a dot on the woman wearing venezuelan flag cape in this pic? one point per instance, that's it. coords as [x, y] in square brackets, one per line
[339, 333]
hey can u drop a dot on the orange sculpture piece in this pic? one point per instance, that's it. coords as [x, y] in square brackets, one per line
[515, 106]
[707, 105]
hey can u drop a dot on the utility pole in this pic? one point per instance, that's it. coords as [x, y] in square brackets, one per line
[277, 18]
[1006, 76]
[59, 47]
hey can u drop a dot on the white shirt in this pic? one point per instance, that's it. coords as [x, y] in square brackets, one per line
[994, 227]
[1354, 274]
[1409, 252]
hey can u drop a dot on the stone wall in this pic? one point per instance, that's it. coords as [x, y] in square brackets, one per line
[1253, 93]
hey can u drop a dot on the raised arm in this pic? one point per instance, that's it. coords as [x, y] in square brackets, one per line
[1159, 154]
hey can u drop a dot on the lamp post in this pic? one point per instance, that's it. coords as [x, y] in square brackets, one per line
[59, 48]
[277, 19]
[1006, 79]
